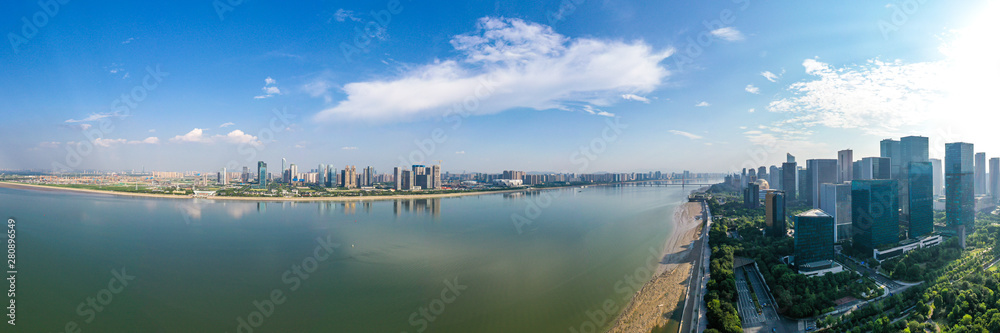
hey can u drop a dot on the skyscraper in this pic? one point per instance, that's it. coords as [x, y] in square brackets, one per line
[762, 173]
[890, 148]
[980, 173]
[938, 175]
[349, 177]
[874, 213]
[821, 171]
[398, 178]
[751, 196]
[774, 213]
[435, 178]
[813, 237]
[959, 187]
[845, 165]
[789, 158]
[293, 173]
[995, 178]
[875, 168]
[321, 175]
[836, 201]
[805, 195]
[774, 178]
[913, 149]
[262, 174]
[920, 197]
[788, 174]
[283, 169]
[331, 176]
[419, 176]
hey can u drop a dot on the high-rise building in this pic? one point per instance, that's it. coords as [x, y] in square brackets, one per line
[845, 165]
[938, 169]
[789, 158]
[349, 177]
[293, 173]
[369, 176]
[814, 233]
[788, 174]
[435, 178]
[283, 169]
[875, 168]
[331, 176]
[321, 175]
[774, 213]
[805, 195]
[762, 173]
[890, 148]
[856, 172]
[958, 183]
[920, 197]
[419, 176]
[980, 173]
[821, 171]
[836, 201]
[913, 149]
[874, 213]
[406, 179]
[397, 177]
[751, 196]
[774, 178]
[245, 176]
[995, 178]
[223, 177]
[262, 174]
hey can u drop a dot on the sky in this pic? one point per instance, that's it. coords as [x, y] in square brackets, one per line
[546, 86]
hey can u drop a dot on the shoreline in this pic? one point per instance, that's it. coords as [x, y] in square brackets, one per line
[297, 199]
[663, 295]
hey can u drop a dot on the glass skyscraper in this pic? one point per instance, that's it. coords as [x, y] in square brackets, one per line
[813, 237]
[920, 198]
[874, 213]
[959, 187]
[774, 213]
[262, 174]
[788, 174]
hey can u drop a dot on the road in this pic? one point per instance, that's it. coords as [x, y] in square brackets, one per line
[694, 306]
[768, 319]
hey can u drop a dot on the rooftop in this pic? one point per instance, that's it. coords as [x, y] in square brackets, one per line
[814, 213]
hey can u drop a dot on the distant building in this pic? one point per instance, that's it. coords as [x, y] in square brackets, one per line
[994, 179]
[836, 201]
[507, 182]
[891, 149]
[762, 173]
[398, 178]
[804, 194]
[875, 168]
[938, 175]
[321, 175]
[435, 179]
[875, 213]
[223, 177]
[774, 177]
[813, 237]
[349, 177]
[845, 165]
[980, 173]
[788, 174]
[751, 196]
[262, 174]
[774, 213]
[914, 149]
[821, 171]
[920, 199]
[959, 187]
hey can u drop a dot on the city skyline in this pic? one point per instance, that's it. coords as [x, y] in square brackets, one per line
[282, 96]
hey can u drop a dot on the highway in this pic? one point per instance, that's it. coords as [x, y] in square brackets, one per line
[694, 306]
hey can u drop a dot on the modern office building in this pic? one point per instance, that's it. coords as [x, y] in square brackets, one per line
[435, 178]
[875, 168]
[813, 237]
[774, 213]
[980, 173]
[789, 158]
[751, 196]
[836, 201]
[920, 199]
[261, 174]
[805, 195]
[331, 176]
[788, 174]
[874, 213]
[223, 177]
[913, 149]
[821, 171]
[321, 175]
[959, 187]
[938, 170]
[890, 149]
[397, 177]
[293, 173]
[283, 169]
[762, 173]
[845, 165]
[995, 178]
[774, 178]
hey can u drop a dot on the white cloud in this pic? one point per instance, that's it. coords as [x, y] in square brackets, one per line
[319, 87]
[149, 140]
[349, 148]
[152, 130]
[703, 104]
[752, 110]
[269, 89]
[226, 125]
[195, 135]
[237, 137]
[506, 64]
[770, 76]
[751, 89]
[460, 152]
[91, 117]
[269, 81]
[48, 144]
[728, 34]
[128, 40]
[634, 97]
[107, 142]
[686, 134]
[343, 15]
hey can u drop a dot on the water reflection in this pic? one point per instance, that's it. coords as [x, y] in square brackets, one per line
[418, 206]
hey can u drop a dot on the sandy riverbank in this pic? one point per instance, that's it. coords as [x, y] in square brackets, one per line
[656, 302]
[353, 198]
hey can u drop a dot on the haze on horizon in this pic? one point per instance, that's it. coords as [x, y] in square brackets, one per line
[487, 86]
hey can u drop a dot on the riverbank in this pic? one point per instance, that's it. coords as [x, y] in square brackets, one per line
[663, 296]
[299, 199]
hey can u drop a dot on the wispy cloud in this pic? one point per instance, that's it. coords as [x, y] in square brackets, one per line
[269, 89]
[91, 117]
[506, 64]
[198, 135]
[634, 97]
[460, 152]
[224, 125]
[348, 148]
[343, 15]
[195, 135]
[128, 40]
[703, 104]
[728, 34]
[686, 134]
[752, 110]
[770, 76]
[752, 89]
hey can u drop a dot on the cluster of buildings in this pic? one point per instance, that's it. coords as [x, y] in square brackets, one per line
[883, 206]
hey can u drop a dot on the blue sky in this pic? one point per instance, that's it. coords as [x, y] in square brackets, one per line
[580, 86]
